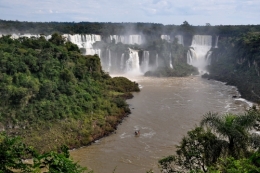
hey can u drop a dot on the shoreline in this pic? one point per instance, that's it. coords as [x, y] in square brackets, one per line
[247, 98]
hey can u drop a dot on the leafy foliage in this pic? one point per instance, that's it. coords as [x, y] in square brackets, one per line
[238, 59]
[13, 154]
[45, 83]
[225, 145]
[243, 165]
[173, 60]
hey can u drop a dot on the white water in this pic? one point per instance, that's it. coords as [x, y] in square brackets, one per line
[132, 64]
[145, 63]
[166, 37]
[127, 39]
[180, 39]
[216, 42]
[170, 60]
[197, 55]
[85, 42]
[109, 60]
[157, 60]
[122, 61]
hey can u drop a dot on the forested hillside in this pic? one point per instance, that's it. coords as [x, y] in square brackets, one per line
[52, 95]
[236, 61]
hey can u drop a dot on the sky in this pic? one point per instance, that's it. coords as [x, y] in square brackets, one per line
[196, 12]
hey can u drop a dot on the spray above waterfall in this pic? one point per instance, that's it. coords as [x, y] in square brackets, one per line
[199, 52]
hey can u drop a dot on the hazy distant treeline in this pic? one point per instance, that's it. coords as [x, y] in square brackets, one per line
[149, 29]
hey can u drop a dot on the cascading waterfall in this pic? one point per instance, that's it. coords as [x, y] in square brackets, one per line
[127, 39]
[106, 61]
[157, 60]
[135, 39]
[208, 57]
[191, 55]
[117, 38]
[16, 36]
[122, 62]
[145, 63]
[166, 37]
[132, 64]
[197, 55]
[84, 41]
[180, 39]
[170, 62]
[109, 60]
[216, 42]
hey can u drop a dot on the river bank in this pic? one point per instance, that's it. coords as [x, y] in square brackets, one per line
[164, 110]
[46, 136]
[246, 85]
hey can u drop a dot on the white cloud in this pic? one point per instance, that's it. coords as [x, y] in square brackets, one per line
[196, 12]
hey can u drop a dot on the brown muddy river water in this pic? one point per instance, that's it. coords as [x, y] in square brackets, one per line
[164, 110]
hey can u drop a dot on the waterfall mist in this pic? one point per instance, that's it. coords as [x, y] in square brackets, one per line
[199, 52]
[132, 54]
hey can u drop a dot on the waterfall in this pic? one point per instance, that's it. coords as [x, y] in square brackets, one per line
[208, 57]
[191, 55]
[216, 42]
[109, 60]
[170, 57]
[122, 62]
[157, 60]
[145, 63]
[16, 36]
[180, 39]
[132, 64]
[84, 41]
[126, 39]
[166, 37]
[114, 37]
[197, 55]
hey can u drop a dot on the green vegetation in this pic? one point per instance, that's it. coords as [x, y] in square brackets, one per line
[52, 95]
[173, 53]
[238, 59]
[13, 153]
[221, 144]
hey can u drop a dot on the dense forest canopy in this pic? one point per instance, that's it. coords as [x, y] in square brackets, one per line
[105, 29]
[49, 84]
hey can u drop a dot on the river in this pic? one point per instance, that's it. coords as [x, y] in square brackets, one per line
[164, 110]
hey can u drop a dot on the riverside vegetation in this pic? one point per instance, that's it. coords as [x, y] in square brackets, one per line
[13, 153]
[51, 95]
[236, 61]
[221, 144]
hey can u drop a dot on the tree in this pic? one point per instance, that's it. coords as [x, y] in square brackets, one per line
[57, 39]
[13, 152]
[234, 128]
[219, 136]
[232, 165]
[196, 152]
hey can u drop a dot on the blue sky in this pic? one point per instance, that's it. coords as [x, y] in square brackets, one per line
[196, 12]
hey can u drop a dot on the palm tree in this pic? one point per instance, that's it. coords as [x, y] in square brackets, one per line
[234, 129]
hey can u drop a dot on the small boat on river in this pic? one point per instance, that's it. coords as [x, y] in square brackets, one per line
[137, 133]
